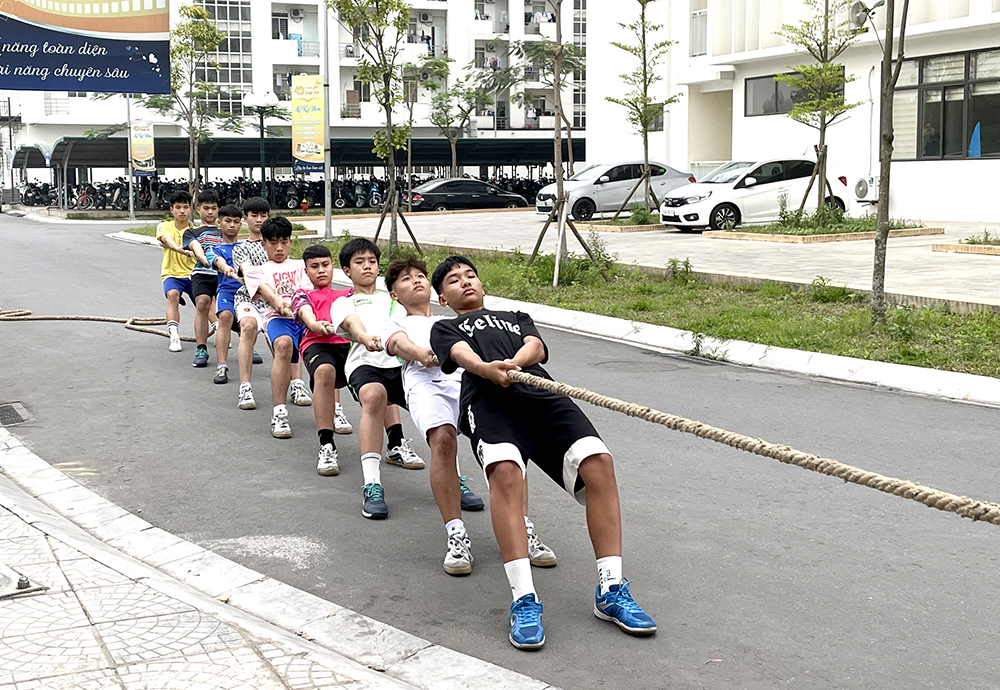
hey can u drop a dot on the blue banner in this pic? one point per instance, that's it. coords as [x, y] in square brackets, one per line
[114, 47]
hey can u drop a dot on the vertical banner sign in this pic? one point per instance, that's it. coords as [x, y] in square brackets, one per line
[143, 161]
[102, 46]
[308, 137]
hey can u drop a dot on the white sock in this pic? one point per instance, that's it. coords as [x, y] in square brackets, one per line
[280, 408]
[609, 572]
[454, 527]
[370, 467]
[519, 577]
[172, 327]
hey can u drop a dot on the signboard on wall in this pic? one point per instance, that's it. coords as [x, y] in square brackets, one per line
[143, 160]
[308, 137]
[113, 47]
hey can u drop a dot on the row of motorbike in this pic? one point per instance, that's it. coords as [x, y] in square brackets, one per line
[154, 193]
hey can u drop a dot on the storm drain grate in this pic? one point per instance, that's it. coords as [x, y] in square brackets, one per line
[14, 413]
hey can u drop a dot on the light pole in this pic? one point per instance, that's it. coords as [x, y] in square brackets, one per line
[261, 104]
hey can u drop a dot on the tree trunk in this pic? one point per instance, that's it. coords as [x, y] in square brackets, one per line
[645, 165]
[393, 201]
[569, 145]
[557, 159]
[645, 103]
[192, 158]
[409, 168]
[453, 142]
[821, 174]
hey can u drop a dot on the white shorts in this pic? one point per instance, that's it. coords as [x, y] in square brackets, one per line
[434, 403]
[249, 310]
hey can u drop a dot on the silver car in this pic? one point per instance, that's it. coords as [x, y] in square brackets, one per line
[602, 188]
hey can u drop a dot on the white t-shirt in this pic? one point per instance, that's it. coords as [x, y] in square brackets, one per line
[374, 311]
[418, 329]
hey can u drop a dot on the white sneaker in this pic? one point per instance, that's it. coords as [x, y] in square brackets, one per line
[212, 328]
[539, 554]
[340, 423]
[175, 343]
[327, 465]
[404, 456]
[246, 401]
[300, 394]
[279, 425]
[458, 560]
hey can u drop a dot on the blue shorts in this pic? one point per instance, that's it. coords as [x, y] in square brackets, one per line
[277, 328]
[225, 300]
[182, 285]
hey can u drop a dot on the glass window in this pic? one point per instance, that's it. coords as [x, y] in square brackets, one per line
[984, 120]
[760, 96]
[985, 65]
[944, 68]
[768, 173]
[909, 74]
[904, 125]
[657, 170]
[619, 173]
[796, 169]
[930, 123]
[954, 121]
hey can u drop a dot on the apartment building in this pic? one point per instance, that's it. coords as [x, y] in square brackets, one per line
[270, 41]
[722, 67]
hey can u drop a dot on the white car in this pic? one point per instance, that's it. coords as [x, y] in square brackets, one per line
[602, 188]
[744, 192]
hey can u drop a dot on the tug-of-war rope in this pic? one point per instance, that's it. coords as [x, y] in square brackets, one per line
[961, 505]
[932, 498]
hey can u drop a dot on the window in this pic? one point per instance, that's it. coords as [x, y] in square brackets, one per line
[77, 94]
[657, 170]
[657, 124]
[768, 173]
[410, 90]
[948, 106]
[279, 26]
[619, 173]
[768, 96]
[796, 169]
[364, 89]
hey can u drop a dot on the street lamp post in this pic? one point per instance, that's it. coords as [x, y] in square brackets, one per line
[260, 105]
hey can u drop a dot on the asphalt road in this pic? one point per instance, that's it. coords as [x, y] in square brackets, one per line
[760, 575]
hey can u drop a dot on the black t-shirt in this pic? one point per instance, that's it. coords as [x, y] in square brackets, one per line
[493, 335]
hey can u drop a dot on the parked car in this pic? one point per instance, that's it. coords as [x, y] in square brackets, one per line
[462, 193]
[602, 188]
[744, 192]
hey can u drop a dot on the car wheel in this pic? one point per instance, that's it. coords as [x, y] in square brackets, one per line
[512, 204]
[583, 210]
[835, 202]
[724, 217]
[440, 207]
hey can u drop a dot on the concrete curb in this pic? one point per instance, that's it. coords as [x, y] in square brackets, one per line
[411, 660]
[817, 239]
[949, 385]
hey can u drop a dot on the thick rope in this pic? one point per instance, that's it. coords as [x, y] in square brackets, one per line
[133, 324]
[962, 505]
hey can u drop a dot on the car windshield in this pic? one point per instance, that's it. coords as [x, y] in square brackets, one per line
[727, 173]
[588, 173]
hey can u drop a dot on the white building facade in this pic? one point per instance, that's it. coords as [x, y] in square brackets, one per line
[721, 67]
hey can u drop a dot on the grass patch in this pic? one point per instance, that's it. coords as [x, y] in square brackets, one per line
[821, 318]
[986, 238]
[640, 215]
[833, 219]
[148, 230]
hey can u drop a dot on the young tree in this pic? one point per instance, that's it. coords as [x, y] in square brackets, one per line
[383, 25]
[889, 77]
[452, 106]
[641, 108]
[824, 35]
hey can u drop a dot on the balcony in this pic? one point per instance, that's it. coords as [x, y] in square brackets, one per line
[532, 74]
[699, 33]
[349, 111]
[309, 48]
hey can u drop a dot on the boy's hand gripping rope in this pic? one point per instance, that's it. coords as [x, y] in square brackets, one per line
[962, 505]
[133, 324]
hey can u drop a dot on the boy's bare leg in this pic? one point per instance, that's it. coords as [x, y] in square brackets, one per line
[443, 441]
[391, 415]
[202, 306]
[506, 509]
[281, 369]
[295, 370]
[373, 417]
[223, 337]
[604, 518]
[324, 393]
[173, 306]
[248, 337]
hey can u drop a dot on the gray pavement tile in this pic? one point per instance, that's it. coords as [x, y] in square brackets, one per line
[232, 669]
[172, 552]
[438, 668]
[302, 673]
[65, 552]
[128, 601]
[120, 526]
[282, 604]
[49, 653]
[13, 527]
[47, 574]
[161, 637]
[210, 573]
[40, 612]
[26, 550]
[86, 572]
[90, 680]
[364, 639]
[143, 544]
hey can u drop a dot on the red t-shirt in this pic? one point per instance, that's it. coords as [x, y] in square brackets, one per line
[320, 301]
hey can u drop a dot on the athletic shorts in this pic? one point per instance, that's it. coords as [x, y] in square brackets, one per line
[249, 310]
[225, 300]
[334, 354]
[553, 433]
[182, 285]
[391, 379]
[277, 328]
[434, 403]
[204, 284]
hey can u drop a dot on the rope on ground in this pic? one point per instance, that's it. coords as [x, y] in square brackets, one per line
[133, 324]
[933, 498]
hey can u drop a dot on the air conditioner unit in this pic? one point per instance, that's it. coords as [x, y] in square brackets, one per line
[349, 50]
[491, 47]
[425, 76]
[425, 17]
[296, 13]
[866, 189]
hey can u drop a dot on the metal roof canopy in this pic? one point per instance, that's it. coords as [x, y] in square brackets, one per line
[236, 152]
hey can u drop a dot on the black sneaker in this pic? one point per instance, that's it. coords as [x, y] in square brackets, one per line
[470, 501]
[257, 358]
[374, 507]
[200, 357]
[221, 373]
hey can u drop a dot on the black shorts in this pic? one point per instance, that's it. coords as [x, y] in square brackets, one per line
[391, 380]
[553, 433]
[319, 354]
[204, 284]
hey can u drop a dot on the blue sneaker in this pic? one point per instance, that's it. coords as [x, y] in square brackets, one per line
[619, 607]
[200, 357]
[526, 631]
[470, 501]
[374, 507]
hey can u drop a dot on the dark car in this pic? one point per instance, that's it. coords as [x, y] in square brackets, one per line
[464, 193]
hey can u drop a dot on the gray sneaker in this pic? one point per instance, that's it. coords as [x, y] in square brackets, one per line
[458, 560]
[404, 456]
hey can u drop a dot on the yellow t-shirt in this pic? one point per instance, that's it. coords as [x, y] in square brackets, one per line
[174, 265]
